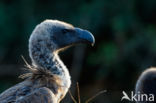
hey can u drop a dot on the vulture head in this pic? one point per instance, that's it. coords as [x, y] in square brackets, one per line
[55, 35]
[50, 79]
[147, 82]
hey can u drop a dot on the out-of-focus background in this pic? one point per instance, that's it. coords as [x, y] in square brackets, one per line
[125, 33]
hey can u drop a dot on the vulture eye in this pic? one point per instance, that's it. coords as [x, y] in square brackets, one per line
[64, 31]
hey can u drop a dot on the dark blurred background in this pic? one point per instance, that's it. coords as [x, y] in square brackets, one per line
[125, 33]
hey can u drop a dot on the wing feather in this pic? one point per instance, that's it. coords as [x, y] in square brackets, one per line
[41, 95]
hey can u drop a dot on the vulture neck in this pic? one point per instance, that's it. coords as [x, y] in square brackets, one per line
[43, 57]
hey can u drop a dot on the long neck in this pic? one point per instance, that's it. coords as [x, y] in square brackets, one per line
[42, 57]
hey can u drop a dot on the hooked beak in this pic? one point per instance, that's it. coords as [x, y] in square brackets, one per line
[85, 36]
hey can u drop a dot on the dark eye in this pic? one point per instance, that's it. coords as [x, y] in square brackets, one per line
[64, 31]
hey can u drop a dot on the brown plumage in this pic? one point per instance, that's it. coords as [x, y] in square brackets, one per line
[48, 79]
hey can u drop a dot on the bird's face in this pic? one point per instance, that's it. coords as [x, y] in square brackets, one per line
[69, 36]
[62, 34]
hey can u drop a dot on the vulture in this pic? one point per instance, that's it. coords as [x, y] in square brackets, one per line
[146, 85]
[48, 79]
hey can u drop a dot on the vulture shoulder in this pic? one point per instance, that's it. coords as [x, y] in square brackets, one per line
[24, 92]
[40, 95]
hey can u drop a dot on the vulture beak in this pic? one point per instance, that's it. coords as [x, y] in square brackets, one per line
[85, 36]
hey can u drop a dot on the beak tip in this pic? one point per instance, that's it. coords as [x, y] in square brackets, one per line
[86, 36]
[90, 38]
[93, 40]
[92, 44]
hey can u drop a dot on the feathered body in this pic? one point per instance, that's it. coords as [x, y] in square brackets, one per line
[48, 79]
